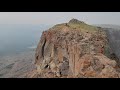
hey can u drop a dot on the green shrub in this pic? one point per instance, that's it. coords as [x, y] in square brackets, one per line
[107, 51]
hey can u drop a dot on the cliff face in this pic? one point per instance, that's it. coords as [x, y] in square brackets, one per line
[74, 49]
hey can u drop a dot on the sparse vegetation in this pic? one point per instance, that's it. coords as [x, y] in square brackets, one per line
[83, 27]
[107, 51]
[79, 25]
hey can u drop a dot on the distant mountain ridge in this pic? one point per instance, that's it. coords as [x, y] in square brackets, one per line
[108, 26]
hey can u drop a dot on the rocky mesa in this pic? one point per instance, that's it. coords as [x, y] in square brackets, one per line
[74, 50]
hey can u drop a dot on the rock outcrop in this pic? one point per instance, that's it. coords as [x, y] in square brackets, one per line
[74, 50]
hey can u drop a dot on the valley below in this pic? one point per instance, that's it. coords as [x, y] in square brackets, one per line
[15, 66]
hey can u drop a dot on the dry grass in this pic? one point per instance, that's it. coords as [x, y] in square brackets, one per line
[72, 26]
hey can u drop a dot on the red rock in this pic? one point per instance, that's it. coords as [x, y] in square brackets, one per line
[75, 53]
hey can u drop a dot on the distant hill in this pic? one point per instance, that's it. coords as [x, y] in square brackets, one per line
[108, 26]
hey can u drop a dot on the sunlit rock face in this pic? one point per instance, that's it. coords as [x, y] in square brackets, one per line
[75, 50]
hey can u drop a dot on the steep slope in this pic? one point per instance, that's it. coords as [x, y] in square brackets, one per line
[113, 35]
[74, 49]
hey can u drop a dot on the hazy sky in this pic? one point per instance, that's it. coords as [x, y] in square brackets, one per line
[59, 17]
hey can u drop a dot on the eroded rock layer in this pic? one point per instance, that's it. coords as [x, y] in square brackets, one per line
[74, 49]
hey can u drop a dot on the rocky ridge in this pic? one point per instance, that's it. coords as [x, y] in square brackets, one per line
[74, 50]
